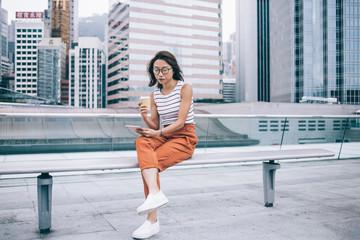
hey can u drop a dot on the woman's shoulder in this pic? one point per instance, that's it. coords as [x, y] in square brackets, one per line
[186, 86]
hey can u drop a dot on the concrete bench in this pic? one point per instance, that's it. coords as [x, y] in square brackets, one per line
[45, 167]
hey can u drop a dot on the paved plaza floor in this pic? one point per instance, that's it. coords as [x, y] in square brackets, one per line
[313, 200]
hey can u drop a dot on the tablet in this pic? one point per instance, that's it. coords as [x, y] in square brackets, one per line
[133, 128]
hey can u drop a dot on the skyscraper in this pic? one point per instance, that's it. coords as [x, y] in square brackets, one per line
[63, 17]
[51, 59]
[315, 49]
[28, 32]
[252, 50]
[86, 65]
[0, 31]
[5, 64]
[137, 29]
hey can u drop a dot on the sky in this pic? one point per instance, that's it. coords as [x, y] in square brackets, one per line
[91, 7]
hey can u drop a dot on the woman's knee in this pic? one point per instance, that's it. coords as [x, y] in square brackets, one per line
[141, 140]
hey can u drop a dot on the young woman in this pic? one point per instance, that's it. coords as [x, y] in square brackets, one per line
[160, 148]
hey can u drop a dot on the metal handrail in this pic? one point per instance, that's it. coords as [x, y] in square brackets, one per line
[136, 115]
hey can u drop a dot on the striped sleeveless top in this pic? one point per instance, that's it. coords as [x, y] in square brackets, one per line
[168, 105]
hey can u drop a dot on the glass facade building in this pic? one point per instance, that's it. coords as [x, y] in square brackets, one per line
[4, 33]
[252, 50]
[350, 92]
[6, 66]
[322, 52]
[86, 65]
[137, 29]
[51, 61]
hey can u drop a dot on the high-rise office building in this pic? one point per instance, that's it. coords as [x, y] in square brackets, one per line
[11, 45]
[4, 33]
[51, 59]
[137, 29]
[252, 50]
[315, 49]
[86, 65]
[282, 50]
[28, 32]
[0, 31]
[62, 15]
[6, 65]
[61, 19]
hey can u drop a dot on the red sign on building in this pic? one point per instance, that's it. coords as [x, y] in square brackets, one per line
[30, 15]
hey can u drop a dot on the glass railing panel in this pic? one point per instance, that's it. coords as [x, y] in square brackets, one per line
[245, 132]
[46, 133]
[282, 132]
[233, 132]
[202, 131]
[312, 130]
[123, 138]
[350, 147]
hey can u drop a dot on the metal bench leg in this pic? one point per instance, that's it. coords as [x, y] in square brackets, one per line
[269, 169]
[44, 190]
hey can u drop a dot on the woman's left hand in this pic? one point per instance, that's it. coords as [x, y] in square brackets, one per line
[148, 132]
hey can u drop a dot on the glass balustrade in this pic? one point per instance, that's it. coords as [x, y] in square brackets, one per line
[24, 133]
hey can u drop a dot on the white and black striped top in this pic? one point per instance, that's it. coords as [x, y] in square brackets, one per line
[168, 105]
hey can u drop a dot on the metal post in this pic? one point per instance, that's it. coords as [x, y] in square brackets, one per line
[207, 134]
[343, 138]
[44, 188]
[269, 169]
[283, 132]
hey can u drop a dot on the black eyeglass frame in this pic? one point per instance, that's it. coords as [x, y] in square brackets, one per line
[157, 71]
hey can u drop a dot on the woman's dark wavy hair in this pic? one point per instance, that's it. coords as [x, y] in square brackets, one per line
[171, 60]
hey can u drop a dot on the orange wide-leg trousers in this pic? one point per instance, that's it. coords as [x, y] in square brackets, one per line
[165, 151]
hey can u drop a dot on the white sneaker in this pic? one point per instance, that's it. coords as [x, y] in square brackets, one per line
[146, 230]
[152, 202]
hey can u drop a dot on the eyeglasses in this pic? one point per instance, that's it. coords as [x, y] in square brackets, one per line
[163, 71]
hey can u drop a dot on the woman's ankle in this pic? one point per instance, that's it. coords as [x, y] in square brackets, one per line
[152, 220]
[154, 191]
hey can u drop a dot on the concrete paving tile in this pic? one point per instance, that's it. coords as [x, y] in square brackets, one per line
[246, 226]
[121, 186]
[346, 228]
[126, 221]
[117, 206]
[12, 216]
[70, 210]
[64, 226]
[348, 207]
[13, 182]
[20, 231]
[108, 235]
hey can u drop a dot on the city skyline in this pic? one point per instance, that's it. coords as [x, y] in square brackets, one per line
[92, 7]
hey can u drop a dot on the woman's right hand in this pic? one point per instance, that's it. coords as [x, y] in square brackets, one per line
[143, 110]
